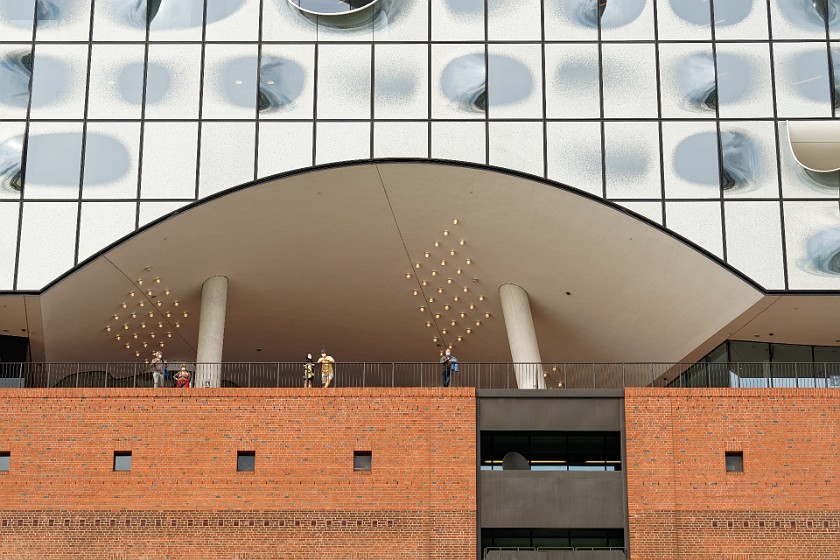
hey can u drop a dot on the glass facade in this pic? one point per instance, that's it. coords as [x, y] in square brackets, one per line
[116, 112]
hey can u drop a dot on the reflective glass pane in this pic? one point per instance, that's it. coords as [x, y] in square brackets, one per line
[402, 84]
[173, 81]
[284, 146]
[286, 82]
[630, 81]
[281, 22]
[459, 82]
[111, 160]
[798, 19]
[400, 139]
[744, 86]
[15, 78]
[572, 81]
[9, 212]
[802, 80]
[754, 241]
[650, 210]
[230, 82]
[11, 157]
[116, 81]
[690, 152]
[169, 160]
[517, 145]
[177, 20]
[227, 156]
[570, 20]
[120, 20]
[342, 141]
[627, 20]
[355, 26]
[102, 223]
[699, 222]
[632, 160]
[574, 155]
[458, 20]
[514, 21]
[344, 81]
[407, 20]
[459, 141]
[47, 243]
[151, 211]
[685, 19]
[16, 17]
[749, 159]
[515, 81]
[58, 81]
[744, 351]
[63, 20]
[798, 182]
[812, 238]
[689, 88]
[232, 20]
[740, 19]
[53, 160]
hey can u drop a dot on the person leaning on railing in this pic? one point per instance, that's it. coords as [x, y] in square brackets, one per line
[182, 378]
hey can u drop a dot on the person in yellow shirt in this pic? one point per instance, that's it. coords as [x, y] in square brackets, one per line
[327, 364]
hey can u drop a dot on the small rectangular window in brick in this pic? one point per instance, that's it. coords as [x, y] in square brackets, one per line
[5, 461]
[245, 461]
[122, 461]
[734, 461]
[362, 461]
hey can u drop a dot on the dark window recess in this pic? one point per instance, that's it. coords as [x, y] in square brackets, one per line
[734, 461]
[122, 461]
[245, 461]
[552, 538]
[362, 461]
[555, 451]
[5, 461]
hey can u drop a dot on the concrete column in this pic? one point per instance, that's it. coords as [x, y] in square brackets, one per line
[211, 332]
[522, 337]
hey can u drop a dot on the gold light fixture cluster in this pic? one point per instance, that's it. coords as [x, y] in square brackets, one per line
[148, 314]
[441, 279]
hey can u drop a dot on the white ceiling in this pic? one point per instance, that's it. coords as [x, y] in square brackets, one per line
[320, 260]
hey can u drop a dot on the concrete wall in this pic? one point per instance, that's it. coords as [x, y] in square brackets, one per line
[684, 505]
[183, 498]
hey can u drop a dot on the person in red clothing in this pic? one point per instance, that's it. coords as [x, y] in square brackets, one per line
[182, 378]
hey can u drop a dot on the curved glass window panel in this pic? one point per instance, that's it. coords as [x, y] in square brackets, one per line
[517, 145]
[402, 84]
[514, 21]
[803, 19]
[47, 242]
[355, 26]
[282, 22]
[286, 81]
[401, 20]
[690, 151]
[338, 141]
[332, 7]
[111, 160]
[749, 159]
[284, 146]
[627, 20]
[684, 20]
[11, 156]
[120, 20]
[812, 240]
[227, 156]
[802, 80]
[835, 63]
[574, 155]
[16, 17]
[116, 81]
[740, 19]
[459, 141]
[797, 182]
[344, 81]
[688, 87]
[632, 160]
[630, 81]
[650, 210]
[572, 88]
[754, 241]
[53, 160]
[463, 83]
[169, 160]
[9, 213]
[699, 222]
[173, 81]
[515, 84]
[230, 81]
[744, 86]
[58, 81]
[63, 20]
[177, 20]
[102, 223]
[15, 78]
[458, 20]
[233, 20]
[400, 139]
[570, 20]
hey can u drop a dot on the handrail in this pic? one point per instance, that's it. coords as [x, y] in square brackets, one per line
[481, 375]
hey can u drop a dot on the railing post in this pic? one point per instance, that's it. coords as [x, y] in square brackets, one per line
[106, 376]
[78, 373]
[623, 375]
[277, 382]
[364, 373]
[796, 375]
[392, 375]
[594, 383]
[249, 374]
[49, 368]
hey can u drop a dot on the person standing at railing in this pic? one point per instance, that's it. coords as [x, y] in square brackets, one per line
[158, 364]
[449, 364]
[182, 378]
[327, 363]
[308, 372]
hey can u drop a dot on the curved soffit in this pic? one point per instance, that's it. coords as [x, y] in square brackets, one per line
[816, 144]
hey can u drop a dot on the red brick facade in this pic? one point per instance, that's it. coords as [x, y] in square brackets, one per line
[683, 505]
[184, 498]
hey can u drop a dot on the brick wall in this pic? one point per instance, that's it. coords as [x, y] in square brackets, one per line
[184, 499]
[683, 505]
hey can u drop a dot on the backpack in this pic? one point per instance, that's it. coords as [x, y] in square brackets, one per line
[454, 365]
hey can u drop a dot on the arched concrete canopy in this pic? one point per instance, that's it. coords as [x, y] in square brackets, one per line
[320, 259]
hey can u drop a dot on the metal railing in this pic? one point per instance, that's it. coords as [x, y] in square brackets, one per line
[540, 553]
[482, 375]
